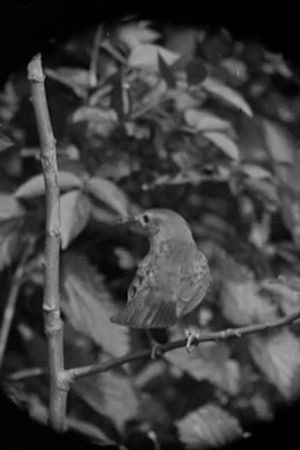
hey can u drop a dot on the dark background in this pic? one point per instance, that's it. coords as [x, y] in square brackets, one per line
[39, 25]
[30, 26]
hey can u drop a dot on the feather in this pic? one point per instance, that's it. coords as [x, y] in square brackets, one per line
[146, 313]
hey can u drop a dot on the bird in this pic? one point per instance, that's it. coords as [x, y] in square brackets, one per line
[171, 280]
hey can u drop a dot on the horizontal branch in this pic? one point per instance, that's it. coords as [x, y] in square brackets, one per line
[230, 333]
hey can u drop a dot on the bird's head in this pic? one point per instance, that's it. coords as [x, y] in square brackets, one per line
[161, 224]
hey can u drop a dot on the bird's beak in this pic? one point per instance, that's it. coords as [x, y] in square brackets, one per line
[127, 221]
[122, 221]
[135, 224]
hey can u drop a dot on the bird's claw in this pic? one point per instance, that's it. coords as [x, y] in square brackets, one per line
[191, 336]
[155, 351]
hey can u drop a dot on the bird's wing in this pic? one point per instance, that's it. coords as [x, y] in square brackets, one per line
[149, 304]
[194, 279]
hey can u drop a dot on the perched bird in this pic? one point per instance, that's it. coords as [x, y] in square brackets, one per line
[171, 280]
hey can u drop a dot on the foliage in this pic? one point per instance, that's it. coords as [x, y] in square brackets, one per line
[146, 118]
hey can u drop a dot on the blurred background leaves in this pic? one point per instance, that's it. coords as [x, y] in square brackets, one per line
[147, 115]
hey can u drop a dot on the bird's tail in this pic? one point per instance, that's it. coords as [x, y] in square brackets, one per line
[145, 313]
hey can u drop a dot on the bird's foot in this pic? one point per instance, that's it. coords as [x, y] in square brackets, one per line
[191, 337]
[155, 351]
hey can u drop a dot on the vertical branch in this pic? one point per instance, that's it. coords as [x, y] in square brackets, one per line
[10, 306]
[51, 302]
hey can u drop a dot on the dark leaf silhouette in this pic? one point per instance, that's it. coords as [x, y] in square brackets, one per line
[166, 72]
[5, 142]
[196, 72]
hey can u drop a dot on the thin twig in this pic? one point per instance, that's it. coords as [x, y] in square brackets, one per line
[27, 373]
[223, 335]
[93, 72]
[13, 295]
[51, 302]
[113, 52]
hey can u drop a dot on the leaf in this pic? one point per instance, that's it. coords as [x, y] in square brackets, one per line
[106, 393]
[279, 142]
[75, 210]
[255, 171]
[136, 33]
[227, 145]
[35, 186]
[278, 357]
[166, 72]
[109, 394]
[103, 214]
[225, 93]
[265, 191]
[291, 282]
[90, 113]
[196, 72]
[75, 78]
[92, 432]
[210, 361]
[5, 142]
[241, 301]
[242, 304]
[120, 399]
[90, 390]
[183, 100]
[288, 177]
[204, 121]
[276, 64]
[285, 291]
[208, 426]
[88, 306]
[9, 207]
[119, 99]
[262, 407]
[147, 56]
[237, 69]
[154, 97]
[10, 240]
[9, 101]
[11, 224]
[110, 194]
[35, 345]
[251, 139]
[137, 130]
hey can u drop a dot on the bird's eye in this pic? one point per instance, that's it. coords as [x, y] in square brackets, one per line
[146, 218]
